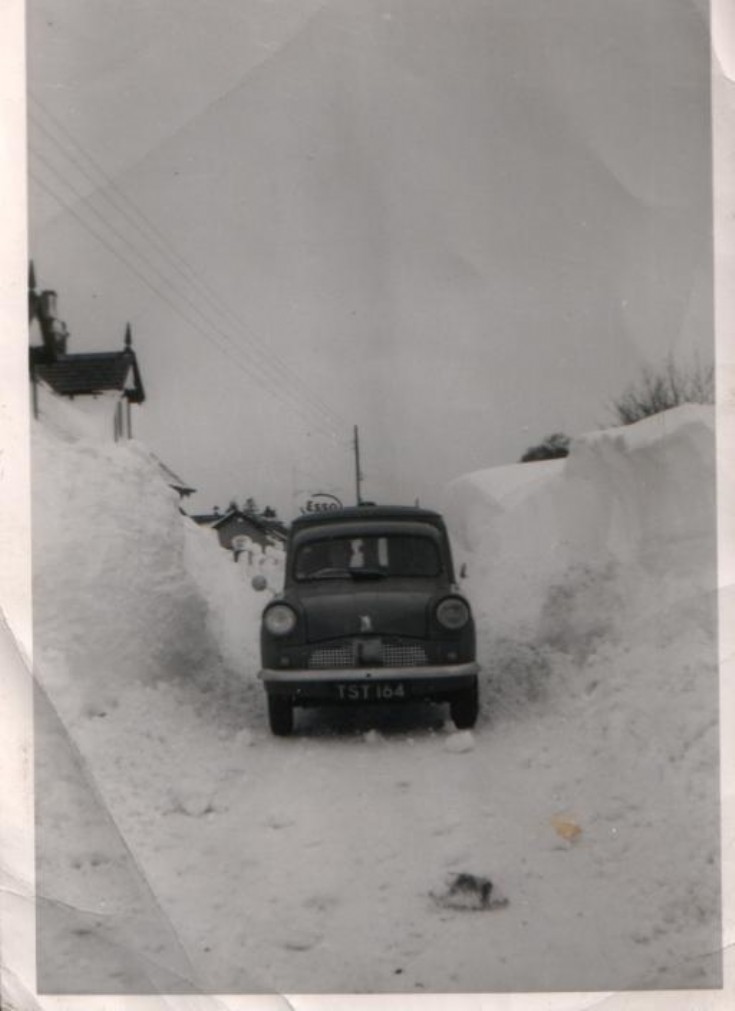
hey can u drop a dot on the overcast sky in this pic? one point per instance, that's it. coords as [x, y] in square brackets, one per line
[459, 225]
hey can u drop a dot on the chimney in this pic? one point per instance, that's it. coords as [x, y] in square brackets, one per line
[61, 335]
[48, 305]
[48, 322]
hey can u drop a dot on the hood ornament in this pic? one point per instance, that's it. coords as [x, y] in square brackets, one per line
[366, 624]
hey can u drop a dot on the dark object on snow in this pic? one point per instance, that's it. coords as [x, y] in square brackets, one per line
[468, 891]
[553, 447]
[469, 885]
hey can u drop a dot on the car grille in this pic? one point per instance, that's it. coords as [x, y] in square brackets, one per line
[403, 656]
[347, 655]
[332, 657]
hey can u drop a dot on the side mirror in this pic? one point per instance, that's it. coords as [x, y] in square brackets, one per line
[462, 571]
[259, 582]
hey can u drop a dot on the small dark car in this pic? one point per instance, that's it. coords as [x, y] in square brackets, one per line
[370, 613]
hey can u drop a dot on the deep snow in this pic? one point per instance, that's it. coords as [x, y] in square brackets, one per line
[181, 848]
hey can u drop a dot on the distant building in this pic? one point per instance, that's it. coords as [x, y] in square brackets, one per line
[235, 524]
[110, 381]
[103, 384]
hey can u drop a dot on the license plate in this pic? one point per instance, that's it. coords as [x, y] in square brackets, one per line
[364, 691]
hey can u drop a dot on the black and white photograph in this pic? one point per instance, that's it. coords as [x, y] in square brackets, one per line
[372, 378]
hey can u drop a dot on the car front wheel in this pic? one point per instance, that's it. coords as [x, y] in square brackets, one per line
[464, 707]
[280, 715]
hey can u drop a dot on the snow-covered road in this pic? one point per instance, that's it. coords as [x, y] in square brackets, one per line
[308, 865]
[314, 870]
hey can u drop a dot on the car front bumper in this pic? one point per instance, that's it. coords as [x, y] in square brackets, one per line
[339, 685]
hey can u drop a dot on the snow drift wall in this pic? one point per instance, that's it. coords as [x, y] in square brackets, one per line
[145, 654]
[624, 526]
[126, 589]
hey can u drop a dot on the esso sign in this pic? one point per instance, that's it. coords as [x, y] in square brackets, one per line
[321, 502]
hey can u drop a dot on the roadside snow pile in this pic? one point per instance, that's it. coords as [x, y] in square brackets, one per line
[629, 509]
[127, 590]
[594, 580]
[612, 547]
[233, 614]
[145, 653]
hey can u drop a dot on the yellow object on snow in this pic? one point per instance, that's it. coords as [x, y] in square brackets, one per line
[566, 827]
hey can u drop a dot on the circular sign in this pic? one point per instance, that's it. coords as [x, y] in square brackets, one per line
[321, 502]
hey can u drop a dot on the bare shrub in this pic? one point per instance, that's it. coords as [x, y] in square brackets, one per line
[661, 390]
[552, 447]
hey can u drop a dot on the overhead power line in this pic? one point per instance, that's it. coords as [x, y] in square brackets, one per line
[269, 366]
[275, 390]
[111, 193]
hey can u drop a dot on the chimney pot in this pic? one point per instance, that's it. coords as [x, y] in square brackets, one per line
[48, 305]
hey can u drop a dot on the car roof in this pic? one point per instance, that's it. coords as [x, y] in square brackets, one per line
[310, 532]
[358, 514]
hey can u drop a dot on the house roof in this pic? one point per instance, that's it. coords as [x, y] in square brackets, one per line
[206, 519]
[270, 526]
[216, 520]
[94, 372]
[172, 479]
[239, 515]
[275, 527]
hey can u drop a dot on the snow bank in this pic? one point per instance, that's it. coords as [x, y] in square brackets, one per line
[625, 525]
[233, 607]
[146, 653]
[126, 589]
[88, 418]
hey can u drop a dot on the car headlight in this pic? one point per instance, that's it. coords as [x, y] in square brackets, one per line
[279, 619]
[453, 613]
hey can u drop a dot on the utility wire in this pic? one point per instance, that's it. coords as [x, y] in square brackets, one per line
[271, 381]
[187, 272]
[130, 212]
[275, 390]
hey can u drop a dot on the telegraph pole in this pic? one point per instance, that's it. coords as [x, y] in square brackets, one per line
[358, 472]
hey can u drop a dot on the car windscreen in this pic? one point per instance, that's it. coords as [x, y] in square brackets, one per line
[372, 556]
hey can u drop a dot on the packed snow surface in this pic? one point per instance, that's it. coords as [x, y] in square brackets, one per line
[182, 848]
